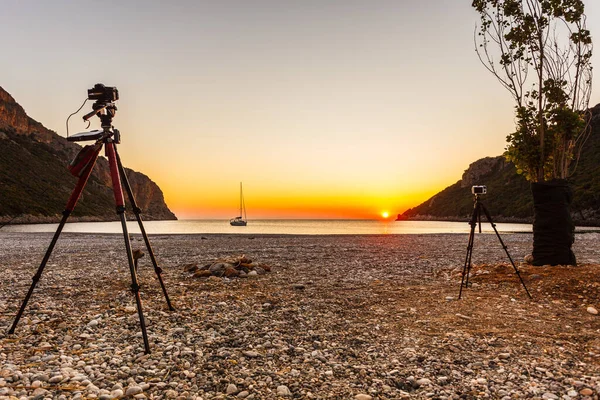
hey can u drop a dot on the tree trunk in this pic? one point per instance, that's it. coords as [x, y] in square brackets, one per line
[553, 228]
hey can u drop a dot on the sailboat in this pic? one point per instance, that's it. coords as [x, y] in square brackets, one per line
[239, 221]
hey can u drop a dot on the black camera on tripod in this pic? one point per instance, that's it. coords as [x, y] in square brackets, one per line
[103, 94]
[105, 109]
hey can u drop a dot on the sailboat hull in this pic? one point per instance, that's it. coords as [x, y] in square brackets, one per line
[238, 222]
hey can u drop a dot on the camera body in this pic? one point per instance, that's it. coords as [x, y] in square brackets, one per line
[479, 189]
[103, 94]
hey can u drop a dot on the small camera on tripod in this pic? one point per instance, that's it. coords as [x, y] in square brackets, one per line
[103, 94]
[479, 189]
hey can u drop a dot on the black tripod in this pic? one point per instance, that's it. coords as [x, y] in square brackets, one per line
[82, 166]
[475, 220]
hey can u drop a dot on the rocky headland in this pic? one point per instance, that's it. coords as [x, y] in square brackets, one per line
[509, 196]
[35, 183]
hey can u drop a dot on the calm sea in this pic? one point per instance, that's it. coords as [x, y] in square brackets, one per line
[272, 226]
[279, 226]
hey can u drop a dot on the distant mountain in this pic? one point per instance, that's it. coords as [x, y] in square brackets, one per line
[35, 183]
[509, 195]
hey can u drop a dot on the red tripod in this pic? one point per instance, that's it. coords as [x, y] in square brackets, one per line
[82, 166]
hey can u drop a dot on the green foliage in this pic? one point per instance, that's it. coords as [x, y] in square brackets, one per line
[563, 128]
[523, 150]
[548, 37]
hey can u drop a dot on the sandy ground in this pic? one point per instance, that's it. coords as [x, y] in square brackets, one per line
[338, 317]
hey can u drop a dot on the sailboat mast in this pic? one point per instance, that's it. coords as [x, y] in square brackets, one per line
[243, 205]
[241, 199]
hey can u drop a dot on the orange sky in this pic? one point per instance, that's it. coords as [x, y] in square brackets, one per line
[296, 204]
[324, 109]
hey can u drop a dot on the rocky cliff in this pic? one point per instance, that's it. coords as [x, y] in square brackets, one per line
[509, 196]
[35, 183]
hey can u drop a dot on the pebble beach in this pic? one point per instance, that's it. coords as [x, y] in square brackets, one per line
[337, 317]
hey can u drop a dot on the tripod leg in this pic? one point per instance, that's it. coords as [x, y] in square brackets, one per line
[474, 222]
[469, 264]
[467, 267]
[489, 217]
[120, 203]
[137, 211]
[38, 274]
[83, 178]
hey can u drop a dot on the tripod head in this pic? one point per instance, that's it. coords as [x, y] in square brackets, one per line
[105, 109]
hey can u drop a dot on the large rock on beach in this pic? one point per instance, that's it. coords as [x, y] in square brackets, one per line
[230, 267]
[218, 269]
[190, 267]
[202, 274]
[231, 272]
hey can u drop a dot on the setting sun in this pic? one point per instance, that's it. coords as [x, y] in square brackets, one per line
[385, 214]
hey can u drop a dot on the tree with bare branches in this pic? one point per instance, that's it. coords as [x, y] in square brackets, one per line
[540, 52]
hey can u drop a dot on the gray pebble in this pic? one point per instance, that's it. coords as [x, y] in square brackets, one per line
[283, 390]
